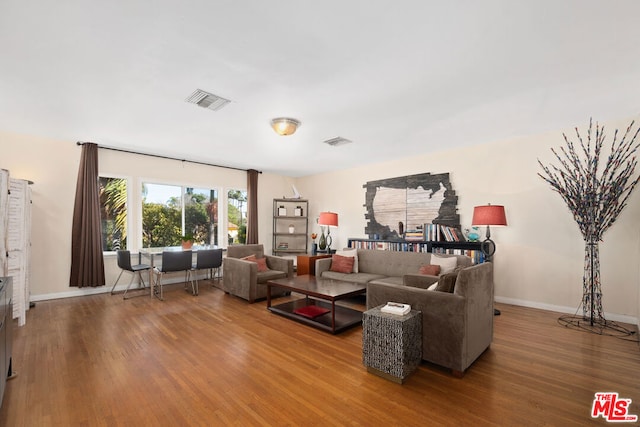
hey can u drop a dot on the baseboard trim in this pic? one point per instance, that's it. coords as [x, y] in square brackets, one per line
[567, 310]
[81, 292]
[513, 301]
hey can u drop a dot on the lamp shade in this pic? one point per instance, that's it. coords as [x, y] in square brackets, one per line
[285, 126]
[328, 218]
[489, 215]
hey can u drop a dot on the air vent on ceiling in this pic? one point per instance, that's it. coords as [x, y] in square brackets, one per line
[207, 100]
[334, 142]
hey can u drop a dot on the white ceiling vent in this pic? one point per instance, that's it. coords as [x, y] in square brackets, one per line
[207, 100]
[338, 140]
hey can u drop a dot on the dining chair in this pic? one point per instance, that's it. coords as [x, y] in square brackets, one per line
[209, 260]
[124, 262]
[173, 261]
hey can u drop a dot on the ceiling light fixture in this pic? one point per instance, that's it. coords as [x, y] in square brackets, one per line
[285, 126]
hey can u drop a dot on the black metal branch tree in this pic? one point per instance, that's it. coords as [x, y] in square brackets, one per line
[595, 194]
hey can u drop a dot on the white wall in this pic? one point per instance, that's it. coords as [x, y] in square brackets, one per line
[53, 166]
[539, 258]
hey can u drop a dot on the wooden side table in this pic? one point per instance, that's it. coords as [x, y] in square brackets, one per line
[391, 344]
[307, 263]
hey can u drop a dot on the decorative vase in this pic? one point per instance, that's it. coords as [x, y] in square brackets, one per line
[322, 244]
[187, 244]
[314, 248]
[473, 235]
[292, 229]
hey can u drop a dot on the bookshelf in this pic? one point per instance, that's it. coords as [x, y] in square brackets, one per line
[470, 249]
[290, 226]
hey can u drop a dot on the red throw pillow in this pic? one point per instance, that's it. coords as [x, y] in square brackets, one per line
[430, 269]
[262, 262]
[262, 265]
[341, 264]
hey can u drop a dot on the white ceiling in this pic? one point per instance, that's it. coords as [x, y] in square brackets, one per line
[395, 77]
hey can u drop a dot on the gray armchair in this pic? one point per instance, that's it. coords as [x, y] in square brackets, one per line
[457, 327]
[241, 277]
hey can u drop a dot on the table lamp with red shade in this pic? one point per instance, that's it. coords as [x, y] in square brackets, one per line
[330, 219]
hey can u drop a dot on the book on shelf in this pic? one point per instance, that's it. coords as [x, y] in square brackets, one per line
[431, 232]
[451, 234]
[382, 245]
[414, 235]
[442, 233]
[477, 256]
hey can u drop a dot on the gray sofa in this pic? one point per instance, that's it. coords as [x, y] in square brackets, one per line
[457, 327]
[241, 277]
[386, 267]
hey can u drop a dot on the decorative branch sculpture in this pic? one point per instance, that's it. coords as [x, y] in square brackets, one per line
[594, 196]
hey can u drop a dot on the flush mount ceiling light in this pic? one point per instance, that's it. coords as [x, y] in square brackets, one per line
[285, 125]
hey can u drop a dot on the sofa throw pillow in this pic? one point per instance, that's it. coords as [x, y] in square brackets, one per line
[341, 264]
[350, 253]
[429, 269]
[262, 262]
[447, 282]
[447, 264]
[262, 265]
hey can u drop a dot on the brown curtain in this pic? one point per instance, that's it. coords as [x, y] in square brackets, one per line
[87, 264]
[252, 206]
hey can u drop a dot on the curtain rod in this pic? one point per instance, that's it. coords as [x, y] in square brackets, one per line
[163, 157]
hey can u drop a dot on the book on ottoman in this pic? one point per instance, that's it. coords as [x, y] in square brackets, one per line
[396, 308]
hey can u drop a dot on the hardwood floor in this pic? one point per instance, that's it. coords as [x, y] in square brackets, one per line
[217, 360]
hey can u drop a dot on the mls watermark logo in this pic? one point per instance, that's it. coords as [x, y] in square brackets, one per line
[612, 408]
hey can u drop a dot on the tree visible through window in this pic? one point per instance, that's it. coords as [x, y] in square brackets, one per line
[201, 215]
[170, 212]
[237, 216]
[113, 213]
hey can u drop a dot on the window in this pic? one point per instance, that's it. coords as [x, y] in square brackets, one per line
[170, 212]
[237, 216]
[201, 215]
[113, 212]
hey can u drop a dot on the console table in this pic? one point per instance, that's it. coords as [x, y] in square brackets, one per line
[306, 264]
[471, 249]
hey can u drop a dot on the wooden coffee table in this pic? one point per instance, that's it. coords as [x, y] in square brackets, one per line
[321, 294]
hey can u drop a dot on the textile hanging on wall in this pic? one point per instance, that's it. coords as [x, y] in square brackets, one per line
[412, 200]
[87, 264]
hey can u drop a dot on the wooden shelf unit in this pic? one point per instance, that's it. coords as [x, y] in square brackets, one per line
[290, 212]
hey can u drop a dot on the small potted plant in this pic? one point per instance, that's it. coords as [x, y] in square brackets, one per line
[187, 241]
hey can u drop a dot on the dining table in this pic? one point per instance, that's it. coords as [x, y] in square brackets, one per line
[155, 253]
